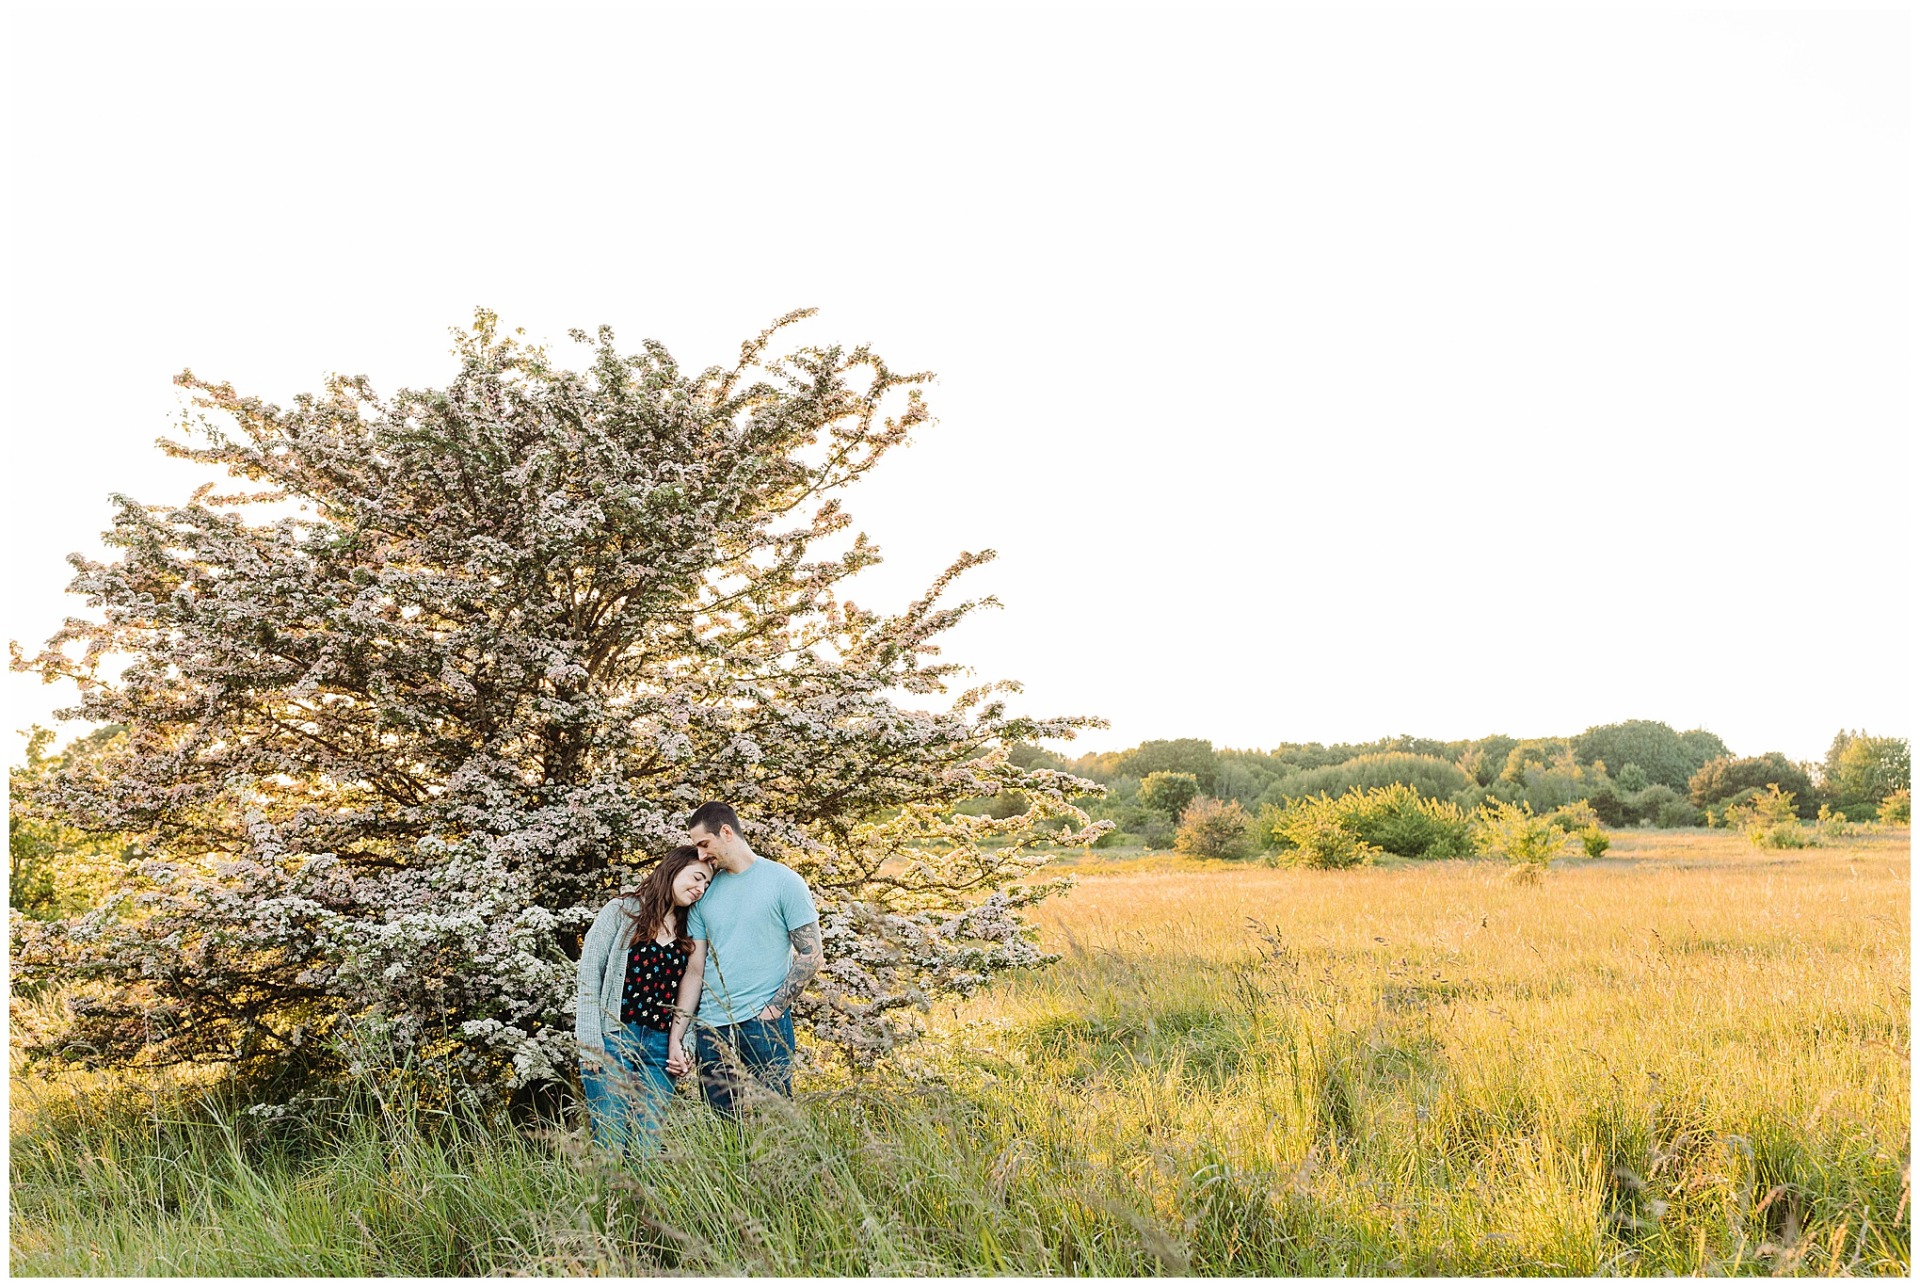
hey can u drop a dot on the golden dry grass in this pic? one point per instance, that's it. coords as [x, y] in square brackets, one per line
[1689, 1056]
[1689, 1052]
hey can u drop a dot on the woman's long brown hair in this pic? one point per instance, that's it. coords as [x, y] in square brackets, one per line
[656, 899]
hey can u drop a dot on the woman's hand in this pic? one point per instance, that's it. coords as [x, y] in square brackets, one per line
[678, 1063]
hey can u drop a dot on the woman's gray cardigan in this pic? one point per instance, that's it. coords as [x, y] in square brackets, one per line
[603, 974]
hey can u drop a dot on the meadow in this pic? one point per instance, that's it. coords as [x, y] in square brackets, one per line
[1688, 1056]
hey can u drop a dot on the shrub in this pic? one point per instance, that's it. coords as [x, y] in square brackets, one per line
[1594, 841]
[1170, 793]
[1156, 832]
[1785, 835]
[1428, 774]
[1394, 819]
[1835, 825]
[1770, 821]
[1611, 805]
[1398, 819]
[1645, 805]
[1211, 828]
[1576, 818]
[1659, 805]
[1723, 813]
[1677, 813]
[1526, 840]
[1269, 827]
[1897, 809]
[1312, 830]
[1727, 782]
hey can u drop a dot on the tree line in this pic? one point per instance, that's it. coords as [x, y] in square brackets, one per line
[1633, 773]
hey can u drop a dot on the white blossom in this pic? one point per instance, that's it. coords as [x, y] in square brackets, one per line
[388, 756]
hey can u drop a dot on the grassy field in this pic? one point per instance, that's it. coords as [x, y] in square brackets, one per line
[1688, 1057]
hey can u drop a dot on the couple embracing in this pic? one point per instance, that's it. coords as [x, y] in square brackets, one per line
[716, 941]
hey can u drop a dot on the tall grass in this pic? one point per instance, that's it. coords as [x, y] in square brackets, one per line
[1685, 1057]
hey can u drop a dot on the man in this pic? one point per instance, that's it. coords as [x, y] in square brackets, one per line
[756, 943]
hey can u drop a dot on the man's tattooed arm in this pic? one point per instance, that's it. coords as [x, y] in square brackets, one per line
[807, 960]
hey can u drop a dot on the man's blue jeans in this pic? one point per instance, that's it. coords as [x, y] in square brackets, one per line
[628, 1089]
[732, 1056]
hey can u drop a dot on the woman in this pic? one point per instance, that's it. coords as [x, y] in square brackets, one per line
[639, 982]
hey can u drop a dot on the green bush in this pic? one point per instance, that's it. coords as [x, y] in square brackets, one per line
[1677, 813]
[1645, 805]
[1574, 819]
[1526, 840]
[1211, 828]
[1727, 783]
[1770, 821]
[1612, 805]
[1400, 820]
[1897, 809]
[1785, 835]
[1835, 825]
[1594, 841]
[1722, 813]
[1658, 805]
[1393, 819]
[1312, 833]
[1429, 775]
[1156, 832]
[1169, 793]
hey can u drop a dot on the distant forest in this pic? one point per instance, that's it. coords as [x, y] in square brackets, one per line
[1636, 773]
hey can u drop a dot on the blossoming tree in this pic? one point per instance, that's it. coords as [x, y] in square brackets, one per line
[444, 668]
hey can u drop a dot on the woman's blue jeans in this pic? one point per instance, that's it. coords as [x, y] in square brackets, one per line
[628, 1089]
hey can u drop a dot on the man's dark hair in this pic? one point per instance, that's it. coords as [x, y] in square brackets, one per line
[713, 815]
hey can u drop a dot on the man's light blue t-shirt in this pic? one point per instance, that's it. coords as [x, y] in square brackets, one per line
[744, 918]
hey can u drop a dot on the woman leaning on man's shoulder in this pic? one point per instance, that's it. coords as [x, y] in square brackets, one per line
[639, 984]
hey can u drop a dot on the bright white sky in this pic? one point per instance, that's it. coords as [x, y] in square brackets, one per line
[1317, 374]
